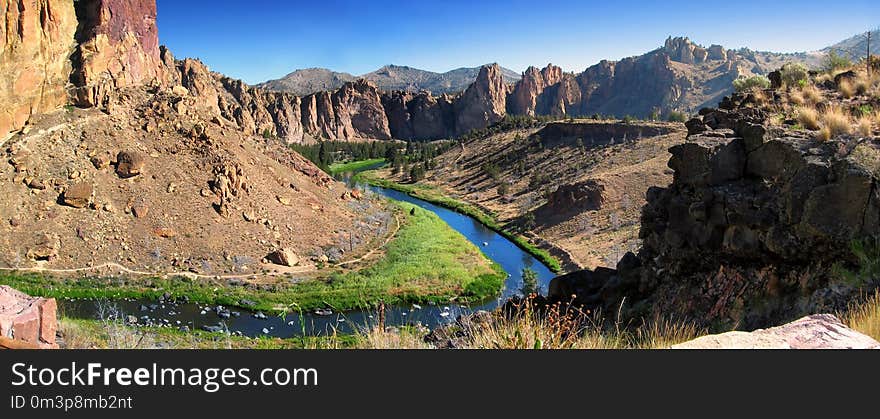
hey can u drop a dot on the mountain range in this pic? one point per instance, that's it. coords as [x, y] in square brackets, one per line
[390, 77]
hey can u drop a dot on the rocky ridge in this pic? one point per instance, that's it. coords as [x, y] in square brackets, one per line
[751, 228]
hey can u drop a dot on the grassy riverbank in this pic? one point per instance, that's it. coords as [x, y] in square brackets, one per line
[426, 261]
[432, 195]
[353, 166]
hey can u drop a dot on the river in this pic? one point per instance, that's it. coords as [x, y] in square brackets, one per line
[243, 322]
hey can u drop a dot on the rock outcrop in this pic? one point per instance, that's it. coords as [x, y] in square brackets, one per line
[36, 39]
[483, 103]
[118, 46]
[819, 331]
[750, 228]
[523, 99]
[32, 321]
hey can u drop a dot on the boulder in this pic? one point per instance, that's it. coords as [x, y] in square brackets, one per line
[129, 163]
[284, 257]
[46, 247]
[820, 331]
[77, 195]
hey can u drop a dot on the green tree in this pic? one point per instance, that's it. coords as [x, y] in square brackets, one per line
[832, 61]
[530, 281]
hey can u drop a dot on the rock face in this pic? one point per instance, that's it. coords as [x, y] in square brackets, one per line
[28, 319]
[118, 46]
[483, 103]
[524, 97]
[820, 331]
[749, 229]
[36, 39]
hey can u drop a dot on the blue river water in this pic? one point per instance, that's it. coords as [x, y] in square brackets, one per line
[242, 322]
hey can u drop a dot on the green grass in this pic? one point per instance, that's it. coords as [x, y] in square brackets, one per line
[353, 166]
[432, 195]
[427, 261]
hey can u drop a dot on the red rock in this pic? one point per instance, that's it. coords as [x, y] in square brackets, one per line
[28, 319]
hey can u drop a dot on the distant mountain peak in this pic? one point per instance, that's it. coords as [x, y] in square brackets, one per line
[389, 77]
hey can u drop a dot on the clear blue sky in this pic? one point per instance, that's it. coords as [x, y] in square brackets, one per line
[258, 40]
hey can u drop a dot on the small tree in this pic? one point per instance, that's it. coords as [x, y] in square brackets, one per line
[794, 74]
[676, 116]
[503, 189]
[530, 281]
[832, 61]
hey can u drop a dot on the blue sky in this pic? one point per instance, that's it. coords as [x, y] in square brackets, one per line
[258, 40]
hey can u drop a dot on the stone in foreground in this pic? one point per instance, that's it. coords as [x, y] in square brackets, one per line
[819, 331]
[27, 319]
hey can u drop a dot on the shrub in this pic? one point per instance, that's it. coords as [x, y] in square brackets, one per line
[492, 170]
[809, 118]
[503, 189]
[744, 84]
[833, 61]
[793, 74]
[676, 116]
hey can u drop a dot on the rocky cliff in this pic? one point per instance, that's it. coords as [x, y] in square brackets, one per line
[118, 46]
[750, 229]
[36, 38]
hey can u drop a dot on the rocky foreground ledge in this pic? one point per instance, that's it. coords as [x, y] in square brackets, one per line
[819, 331]
[25, 321]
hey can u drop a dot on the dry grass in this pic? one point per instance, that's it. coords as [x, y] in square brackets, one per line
[812, 94]
[796, 97]
[865, 125]
[865, 317]
[837, 121]
[110, 335]
[399, 339]
[824, 77]
[809, 118]
[760, 96]
[558, 327]
[846, 88]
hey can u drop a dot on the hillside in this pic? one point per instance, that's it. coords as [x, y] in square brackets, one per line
[576, 186]
[157, 168]
[856, 46]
